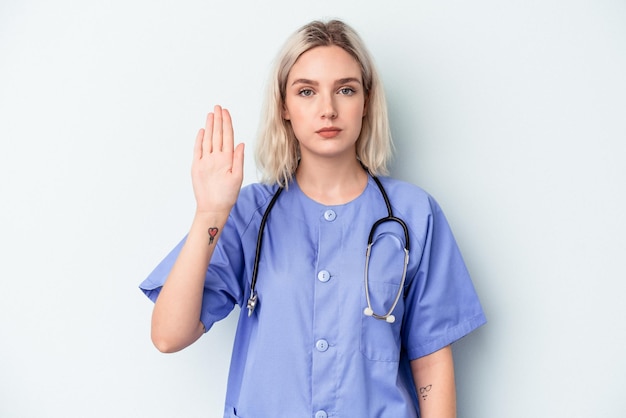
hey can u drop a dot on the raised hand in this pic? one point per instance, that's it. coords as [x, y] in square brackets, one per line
[217, 173]
[217, 168]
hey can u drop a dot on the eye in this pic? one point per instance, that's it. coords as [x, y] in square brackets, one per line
[348, 91]
[305, 93]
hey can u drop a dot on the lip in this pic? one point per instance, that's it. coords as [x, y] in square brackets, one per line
[329, 132]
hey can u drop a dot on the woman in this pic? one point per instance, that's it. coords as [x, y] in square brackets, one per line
[329, 331]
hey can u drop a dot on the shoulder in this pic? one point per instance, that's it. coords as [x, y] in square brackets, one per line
[408, 198]
[252, 199]
[255, 194]
[421, 212]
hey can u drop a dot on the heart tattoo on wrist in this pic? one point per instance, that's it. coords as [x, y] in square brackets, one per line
[212, 233]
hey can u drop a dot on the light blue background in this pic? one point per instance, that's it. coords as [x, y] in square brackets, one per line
[511, 113]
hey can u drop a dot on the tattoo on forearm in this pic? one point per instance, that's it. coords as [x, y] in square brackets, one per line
[212, 233]
[424, 391]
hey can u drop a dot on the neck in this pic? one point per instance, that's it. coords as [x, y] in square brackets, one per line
[330, 183]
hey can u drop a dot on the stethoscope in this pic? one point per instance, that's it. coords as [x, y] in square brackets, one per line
[368, 311]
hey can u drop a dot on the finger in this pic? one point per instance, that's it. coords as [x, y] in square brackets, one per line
[207, 140]
[197, 147]
[229, 136]
[217, 130]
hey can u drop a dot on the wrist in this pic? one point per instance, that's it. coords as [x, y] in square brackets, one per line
[207, 226]
[211, 218]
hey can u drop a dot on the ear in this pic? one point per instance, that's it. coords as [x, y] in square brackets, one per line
[285, 113]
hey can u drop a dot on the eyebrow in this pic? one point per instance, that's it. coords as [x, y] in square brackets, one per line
[315, 83]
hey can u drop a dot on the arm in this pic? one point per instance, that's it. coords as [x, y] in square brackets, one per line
[434, 379]
[217, 174]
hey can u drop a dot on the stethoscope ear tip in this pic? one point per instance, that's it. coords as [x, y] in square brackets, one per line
[390, 319]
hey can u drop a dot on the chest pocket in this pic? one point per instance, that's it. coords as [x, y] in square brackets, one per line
[380, 340]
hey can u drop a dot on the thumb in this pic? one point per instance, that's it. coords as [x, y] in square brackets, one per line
[238, 160]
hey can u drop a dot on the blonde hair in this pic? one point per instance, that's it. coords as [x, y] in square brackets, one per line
[277, 151]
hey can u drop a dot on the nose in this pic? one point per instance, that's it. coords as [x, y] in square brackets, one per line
[329, 110]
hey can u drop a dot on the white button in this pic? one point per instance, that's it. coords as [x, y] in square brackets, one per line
[321, 345]
[321, 414]
[323, 276]
[330, 215]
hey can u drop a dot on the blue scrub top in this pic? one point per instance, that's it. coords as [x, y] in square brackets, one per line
[308, 350]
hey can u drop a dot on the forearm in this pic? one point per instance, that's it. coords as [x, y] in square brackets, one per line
[434, 379]
[176, 316]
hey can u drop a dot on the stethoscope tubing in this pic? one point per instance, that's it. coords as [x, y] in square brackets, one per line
[389, 317]
[368, 311]
[252, 301]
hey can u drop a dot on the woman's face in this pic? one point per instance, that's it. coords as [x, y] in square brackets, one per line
[325, 102]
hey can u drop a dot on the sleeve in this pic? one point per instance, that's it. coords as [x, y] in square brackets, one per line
[441, 303]
[223, 287]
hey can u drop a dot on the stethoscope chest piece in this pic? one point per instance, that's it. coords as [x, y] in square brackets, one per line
[252, 303]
